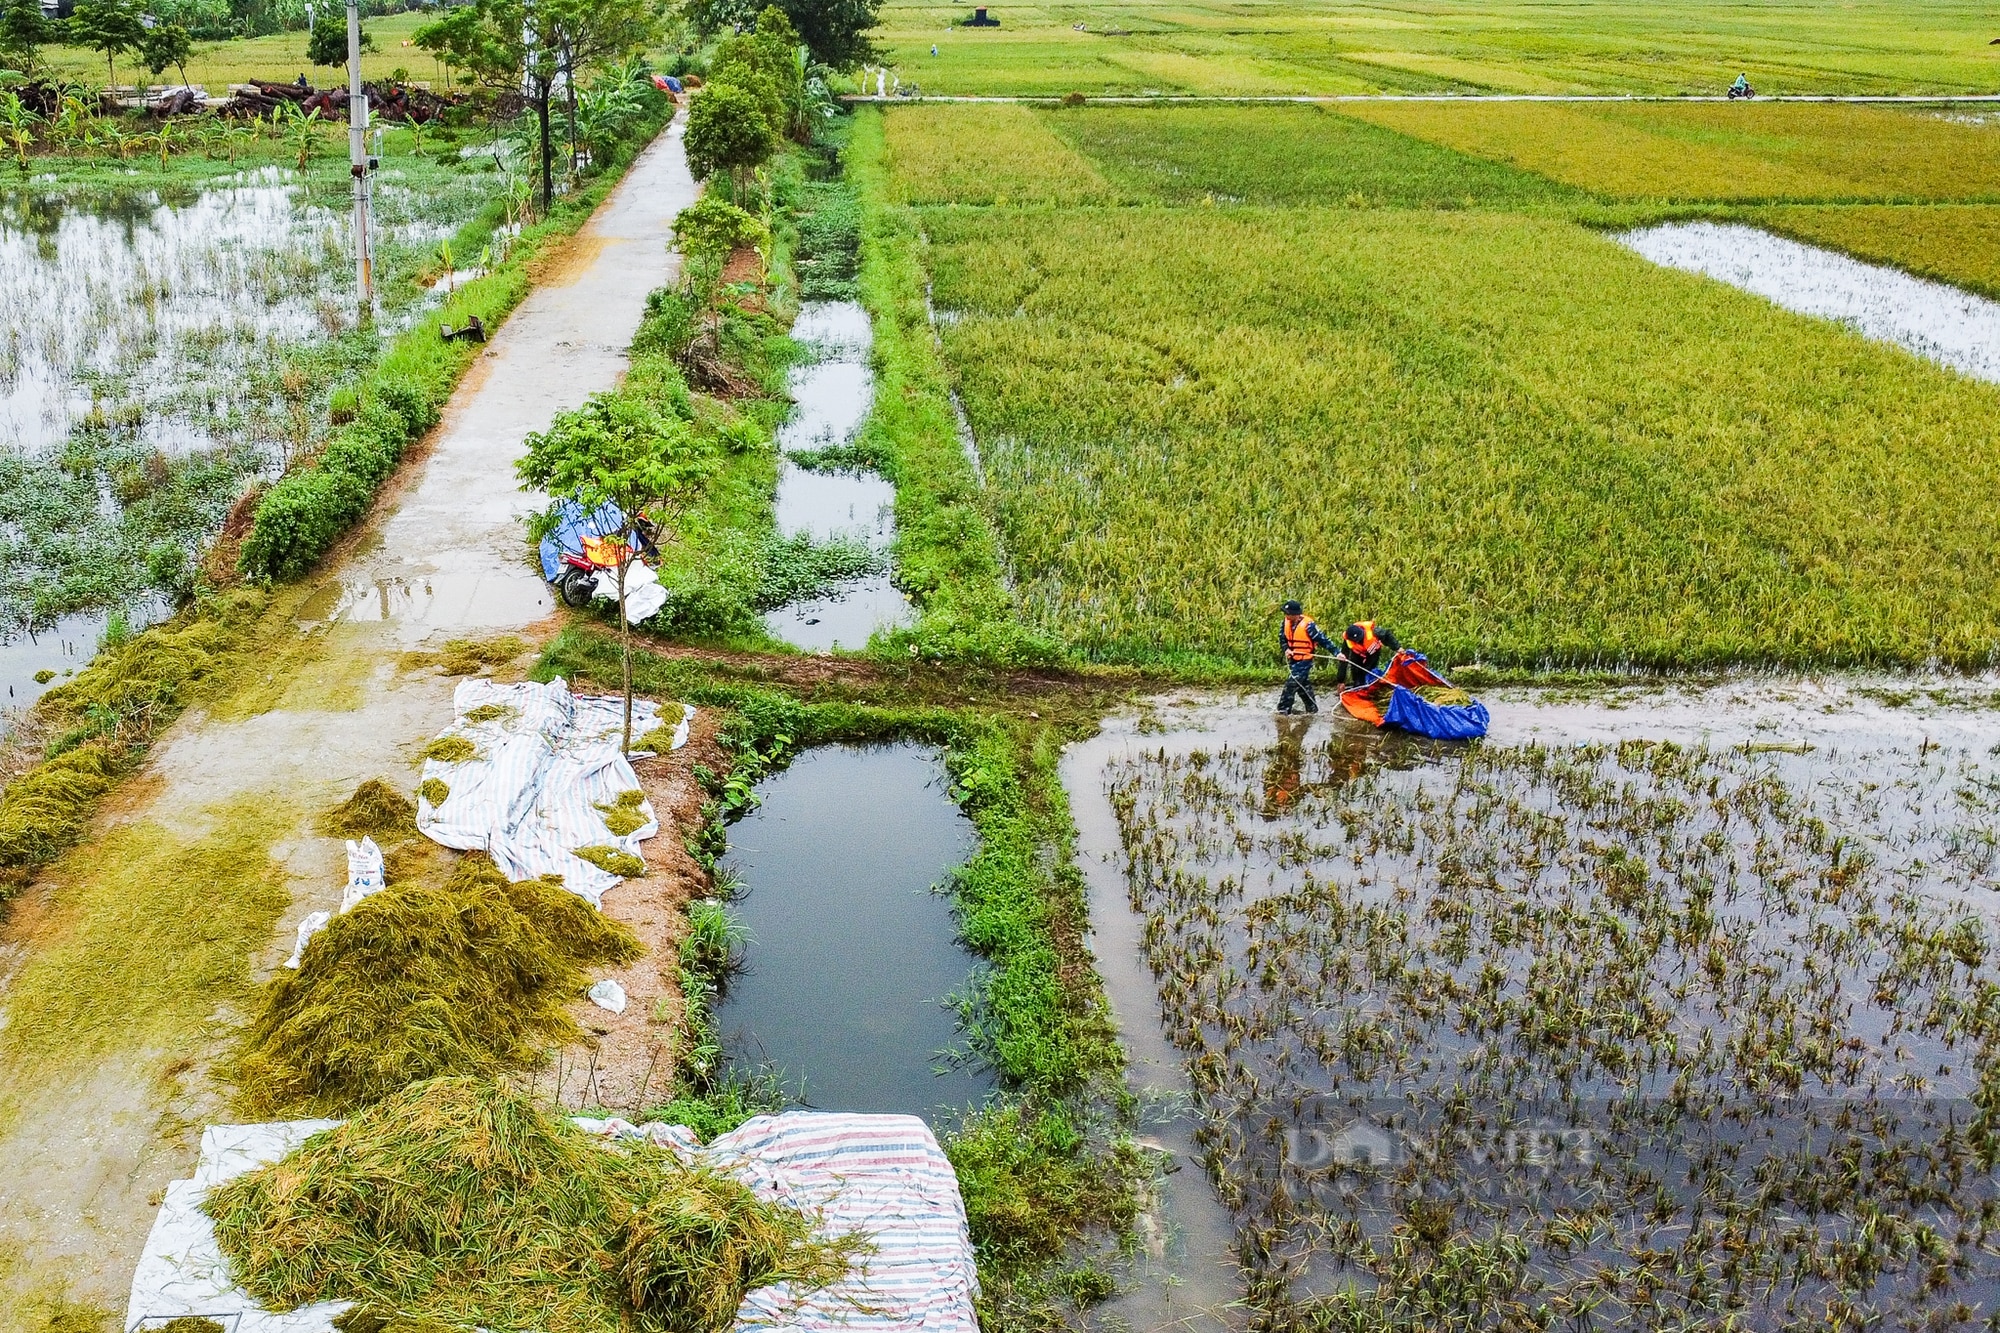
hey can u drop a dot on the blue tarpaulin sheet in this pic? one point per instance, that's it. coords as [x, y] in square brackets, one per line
[573, 525]
[1406, 673]
[1446, 722]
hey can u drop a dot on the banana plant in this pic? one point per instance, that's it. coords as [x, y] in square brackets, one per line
[298, 127]
[17, 125]
[814, 100]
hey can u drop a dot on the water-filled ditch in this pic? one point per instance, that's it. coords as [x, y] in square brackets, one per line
[834, 391]
[1594, 1017]
[1932, 319]
[853, 957]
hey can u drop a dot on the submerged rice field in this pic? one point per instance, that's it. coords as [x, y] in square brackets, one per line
[1661, 1009]
[168, 346]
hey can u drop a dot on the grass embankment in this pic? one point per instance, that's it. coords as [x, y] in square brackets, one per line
[1476, 418]
[1333, 46]
[1045, 1165]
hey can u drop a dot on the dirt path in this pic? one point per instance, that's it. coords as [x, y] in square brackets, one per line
[103, 1084]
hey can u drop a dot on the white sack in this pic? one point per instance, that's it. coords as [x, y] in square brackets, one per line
[608, 995]
[644, 594]
[364, 872]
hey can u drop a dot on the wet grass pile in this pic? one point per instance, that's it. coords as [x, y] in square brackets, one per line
[1642, 1037]
[459, 1201]
[376, 810]
[469, 978]
[612, 860]
[100, 722]
[451, 750]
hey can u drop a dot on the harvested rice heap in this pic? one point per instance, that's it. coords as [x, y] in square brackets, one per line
[417, 981]
[1444, 696]
[458, 1201]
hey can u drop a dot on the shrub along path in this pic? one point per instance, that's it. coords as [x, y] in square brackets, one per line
[119, 963]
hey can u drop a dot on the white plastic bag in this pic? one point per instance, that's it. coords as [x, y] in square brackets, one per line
[609, 995]
[364, 872]
[307, 929]
[644, 596]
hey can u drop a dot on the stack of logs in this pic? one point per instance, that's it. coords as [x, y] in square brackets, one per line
[389, 101]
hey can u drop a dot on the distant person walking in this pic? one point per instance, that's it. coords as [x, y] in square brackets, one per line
[1299, 637]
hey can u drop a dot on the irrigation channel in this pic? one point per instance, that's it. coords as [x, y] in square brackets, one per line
[834, 391]
[144, 382]
[1934, 320]
[853, 957]
[1602, 1014]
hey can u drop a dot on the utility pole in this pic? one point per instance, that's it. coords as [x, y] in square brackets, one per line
[357, 157]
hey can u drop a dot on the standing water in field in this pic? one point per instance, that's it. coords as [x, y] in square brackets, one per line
[1585, 1024]
[149, 373]
[834, 392]
[852, 957]
[1932, 319]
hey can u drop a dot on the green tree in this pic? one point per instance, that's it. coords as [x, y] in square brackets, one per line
[166, 44]
[327, 43]
[539, 45]
[109, 26]
[706, 232]
[22, 31]
[728, 130]
[836, 30]
[617, 450]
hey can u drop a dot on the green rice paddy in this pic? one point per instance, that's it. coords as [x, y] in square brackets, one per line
[1216, 356]
[1255, 48]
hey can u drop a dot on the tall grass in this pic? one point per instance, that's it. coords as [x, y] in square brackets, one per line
[1500, 434]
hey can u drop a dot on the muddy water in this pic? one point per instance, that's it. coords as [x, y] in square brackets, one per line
[75, 1205]
[852, 955]
[1936, 321]
[155, 293]
[1906, 773]
[833, 392]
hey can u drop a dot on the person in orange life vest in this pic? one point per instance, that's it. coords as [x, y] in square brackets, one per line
[1299, 636]
[1360, 654]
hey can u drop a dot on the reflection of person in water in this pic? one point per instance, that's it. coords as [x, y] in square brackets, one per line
[1281, 776]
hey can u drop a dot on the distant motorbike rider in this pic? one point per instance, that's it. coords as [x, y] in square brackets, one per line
[1358, 660]
[1741, 88]
[1299, 636]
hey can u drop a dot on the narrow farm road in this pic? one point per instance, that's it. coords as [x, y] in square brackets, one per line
[128, 953]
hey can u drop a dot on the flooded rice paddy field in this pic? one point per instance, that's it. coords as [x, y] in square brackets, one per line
[833, 392]
[1660, 1008]
[1932, 319]
[163, 347]
[853, 958]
